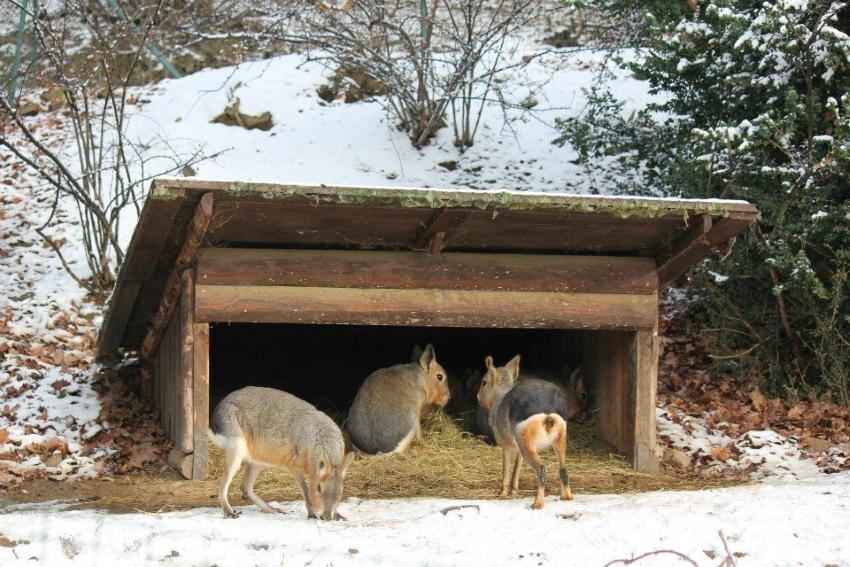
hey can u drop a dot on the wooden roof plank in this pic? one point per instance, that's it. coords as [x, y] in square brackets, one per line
[383, 218]
[145, 247]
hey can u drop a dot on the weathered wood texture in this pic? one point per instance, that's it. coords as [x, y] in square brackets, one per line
[166, 370]
[171, 370]
[201, 398]
[145, 248]
[184, 383]
[644, 373]
[416, 270]
[171, 292]
[440, 229]
[696, 244]
[606, 367]
[422, 307]
[288, 216]
[621, 368]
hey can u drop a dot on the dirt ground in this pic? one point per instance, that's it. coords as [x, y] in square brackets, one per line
[445, 463]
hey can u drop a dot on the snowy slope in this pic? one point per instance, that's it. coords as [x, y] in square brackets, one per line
[338, 143]
[781, 524]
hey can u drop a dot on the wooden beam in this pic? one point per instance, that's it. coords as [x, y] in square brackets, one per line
[686, 251]
[183, 438]
[423, 307]
[439, 229]
[644, 370]
[415, 270]
[201, 399]
[695, 245]
[140, 260]
[171, 292]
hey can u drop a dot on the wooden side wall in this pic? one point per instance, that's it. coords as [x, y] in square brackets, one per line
[172, 375]
[621, 369]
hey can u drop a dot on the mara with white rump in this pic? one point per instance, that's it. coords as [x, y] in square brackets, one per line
[386, 413]
[270, 428]
[527, 417]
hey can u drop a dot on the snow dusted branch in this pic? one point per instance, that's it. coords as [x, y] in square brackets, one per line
[105, 172]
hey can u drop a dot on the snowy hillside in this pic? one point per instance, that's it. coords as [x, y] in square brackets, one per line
[316, 142]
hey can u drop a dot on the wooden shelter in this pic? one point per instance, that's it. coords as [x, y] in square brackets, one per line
[216, 253]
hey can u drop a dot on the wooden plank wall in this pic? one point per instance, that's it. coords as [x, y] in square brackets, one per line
[172, 375]
[414, 288]
[621, 368]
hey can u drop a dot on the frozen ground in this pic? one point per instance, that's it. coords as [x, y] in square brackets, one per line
[768, 524]
[48, 413]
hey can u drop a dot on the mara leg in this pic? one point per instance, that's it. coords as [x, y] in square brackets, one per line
[528, 450]
[233, 456]
[302, 484]
[248, 487]
[507, 456]
[561, 450]
[515, 474]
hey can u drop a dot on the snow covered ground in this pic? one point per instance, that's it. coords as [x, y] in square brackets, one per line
[47, 330]
[771, 524]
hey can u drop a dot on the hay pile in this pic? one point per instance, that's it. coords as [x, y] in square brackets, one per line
[450, 462]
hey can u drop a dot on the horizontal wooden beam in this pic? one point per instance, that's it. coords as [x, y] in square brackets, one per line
[423, 307]
[417, 270]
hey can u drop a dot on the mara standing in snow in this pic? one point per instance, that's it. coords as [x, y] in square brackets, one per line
[386, 413]
[270, 428]
[527, 417]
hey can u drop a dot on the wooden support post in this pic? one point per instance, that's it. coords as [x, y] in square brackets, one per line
[621, 370]
[201, 398]
[644, 370]
[183, 439]
[171, 292]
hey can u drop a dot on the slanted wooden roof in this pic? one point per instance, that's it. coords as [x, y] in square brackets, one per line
[676, 232]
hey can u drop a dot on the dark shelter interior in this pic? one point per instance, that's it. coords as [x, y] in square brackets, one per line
[325, 364]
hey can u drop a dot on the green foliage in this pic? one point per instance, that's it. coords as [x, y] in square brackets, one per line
[752, 102]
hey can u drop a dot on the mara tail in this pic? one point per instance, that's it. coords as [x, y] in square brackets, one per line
[541, 430]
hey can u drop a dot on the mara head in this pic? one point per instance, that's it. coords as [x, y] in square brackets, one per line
[576, 394]
[436, 380]
[325, 490]
[497, 380]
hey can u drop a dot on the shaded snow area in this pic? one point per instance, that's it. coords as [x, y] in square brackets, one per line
[775, 524]
[337, 143]
[48, 409]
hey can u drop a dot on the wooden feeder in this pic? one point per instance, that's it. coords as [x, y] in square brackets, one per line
[225, 252]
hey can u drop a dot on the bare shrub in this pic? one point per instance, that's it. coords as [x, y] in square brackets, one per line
[105, 172]
[432, 56]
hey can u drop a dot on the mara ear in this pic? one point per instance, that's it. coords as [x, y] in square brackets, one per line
[417, 353]
[488, 362]
[577, 378]
[427, 358]
[346, 460]
[513, 368]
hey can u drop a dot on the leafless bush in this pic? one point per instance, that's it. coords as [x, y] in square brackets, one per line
[432, 55]
[105, 172]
